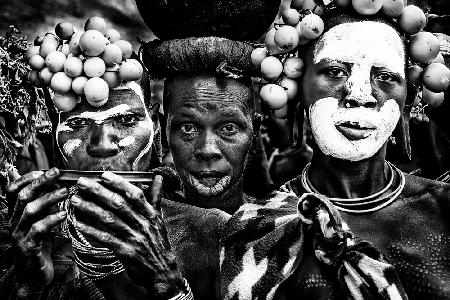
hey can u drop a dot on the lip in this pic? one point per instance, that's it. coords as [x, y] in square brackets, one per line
[354, 131]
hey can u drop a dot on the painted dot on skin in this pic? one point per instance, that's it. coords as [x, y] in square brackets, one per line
[129, 140]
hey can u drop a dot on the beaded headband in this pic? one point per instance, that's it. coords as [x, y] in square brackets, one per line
[77, 64]
[280, 64]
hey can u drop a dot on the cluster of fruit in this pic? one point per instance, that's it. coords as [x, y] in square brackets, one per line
[88, 63]
[280, 65]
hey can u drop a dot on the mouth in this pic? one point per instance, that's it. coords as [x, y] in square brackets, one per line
[209, 183]
[354, 130]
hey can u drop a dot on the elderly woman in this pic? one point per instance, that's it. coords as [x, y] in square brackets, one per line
[354, 91]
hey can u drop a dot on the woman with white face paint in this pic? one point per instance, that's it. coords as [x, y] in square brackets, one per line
[354, 92]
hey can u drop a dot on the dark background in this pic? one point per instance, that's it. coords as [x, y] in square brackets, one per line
[36, 17]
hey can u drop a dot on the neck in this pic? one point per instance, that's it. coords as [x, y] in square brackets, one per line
[346, 179]
[229, 201]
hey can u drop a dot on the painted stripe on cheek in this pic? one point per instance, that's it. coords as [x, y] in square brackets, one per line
[71, 145]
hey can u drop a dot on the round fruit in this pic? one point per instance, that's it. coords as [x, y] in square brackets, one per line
[297, 4]
[65, 49]
[78, 84]
[439, 59]
[269, 42]
[34, 78]
[130, 70]
[293, 67]
[112, 55]
[258, 55]
[92, 43]
[414, 74]
[311, 26]
[343, 3]
[95, 23]
[38, 40]
[290, 17]
[65, 101]
[94, 67]
[64, 30]
[126, 48]
[61, 83]
[271, 68]
[73, 66]
[392, 8]
[96, 91]
[314, 6]
[47, 46]
[424, 47]
[112, 79]
[74, 44]
[291, 87]
[33, 50]
[112, 35]
[367, 7]
[46, 76]
[432, 98]
[36, 62]
[286, 37]
[274, 95]
[436, 77]
[281, 113]
[55, 61]
[412, 20]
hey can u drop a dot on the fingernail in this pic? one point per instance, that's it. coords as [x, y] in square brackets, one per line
[75, 200]
[108, 176]
[62, 214]
[83, 182]
[53, 172]
[62, 192]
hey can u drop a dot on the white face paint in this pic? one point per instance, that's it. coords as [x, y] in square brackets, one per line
[376, 127]
[70, 146]
[129, 140]
[100, 116]
[364, 44]
[357, 133]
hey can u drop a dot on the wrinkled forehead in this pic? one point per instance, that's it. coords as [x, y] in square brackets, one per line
[201, 90]
[367, 42]
[120, 101]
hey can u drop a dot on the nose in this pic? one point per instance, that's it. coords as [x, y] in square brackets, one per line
[103, 141]
[207, 148]
[358, 90]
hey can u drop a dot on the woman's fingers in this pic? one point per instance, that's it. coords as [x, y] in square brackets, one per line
[33, 210]
[131, 192]
[105, 238]
[106, 218]
[110, 200]
[156, 192]
[42, 227]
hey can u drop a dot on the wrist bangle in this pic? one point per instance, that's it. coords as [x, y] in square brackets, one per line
[184, 295]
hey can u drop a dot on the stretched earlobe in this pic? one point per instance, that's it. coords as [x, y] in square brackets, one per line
[295, 120]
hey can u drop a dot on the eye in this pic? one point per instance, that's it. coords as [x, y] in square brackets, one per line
[127, 120]
[77, 122]
[386, 76]
[188, 128]
[335, 72]
[229, 129]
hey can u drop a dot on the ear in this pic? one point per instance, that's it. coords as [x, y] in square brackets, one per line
[257, 120]
[153, 111]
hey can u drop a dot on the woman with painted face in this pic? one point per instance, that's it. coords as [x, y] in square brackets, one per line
[354, 91]
[100, 238]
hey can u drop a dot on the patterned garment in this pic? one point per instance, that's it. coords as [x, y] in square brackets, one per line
[288, 247]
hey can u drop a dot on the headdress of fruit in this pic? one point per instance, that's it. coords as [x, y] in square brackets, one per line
[78, 65]
[280, 64]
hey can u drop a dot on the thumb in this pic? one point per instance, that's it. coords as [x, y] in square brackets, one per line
[156, 192]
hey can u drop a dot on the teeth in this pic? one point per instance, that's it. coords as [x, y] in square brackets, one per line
[210, 186]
